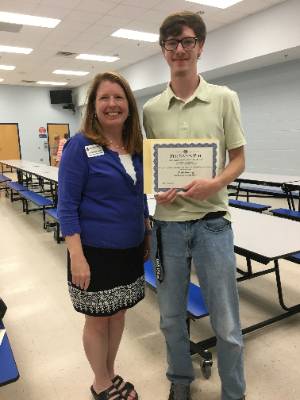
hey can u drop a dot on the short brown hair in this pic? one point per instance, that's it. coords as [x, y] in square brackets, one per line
[92, 129]
[174, 23]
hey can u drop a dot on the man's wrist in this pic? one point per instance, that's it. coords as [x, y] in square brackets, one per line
[219, 182]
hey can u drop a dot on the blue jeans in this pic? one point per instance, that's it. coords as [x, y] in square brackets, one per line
[209, 243]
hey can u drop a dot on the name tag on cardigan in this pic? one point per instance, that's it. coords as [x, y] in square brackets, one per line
[94, 150]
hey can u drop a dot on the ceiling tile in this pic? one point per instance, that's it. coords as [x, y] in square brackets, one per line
[86, 27]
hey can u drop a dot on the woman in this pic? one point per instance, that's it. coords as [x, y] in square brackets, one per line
[104, 218]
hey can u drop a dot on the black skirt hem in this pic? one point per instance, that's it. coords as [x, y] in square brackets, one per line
[90, 314]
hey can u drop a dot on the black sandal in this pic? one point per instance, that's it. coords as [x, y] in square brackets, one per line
[126, 389]
[110, 393]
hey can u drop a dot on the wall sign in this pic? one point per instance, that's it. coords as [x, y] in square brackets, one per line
[42, 132]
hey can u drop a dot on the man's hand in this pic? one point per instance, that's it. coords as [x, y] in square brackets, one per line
[201, 189]
[166, 197]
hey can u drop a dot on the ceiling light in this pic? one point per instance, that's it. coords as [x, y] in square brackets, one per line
[136, 35]
[13, 49]
[7, 67]
[65, 72]
[52, 83]
[95, 57]
[216, 3]
[14, 18]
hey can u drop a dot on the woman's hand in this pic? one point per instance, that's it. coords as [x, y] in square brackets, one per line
[80, 270]
[147, 246]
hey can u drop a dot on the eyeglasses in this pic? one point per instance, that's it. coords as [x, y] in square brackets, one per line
[188, 43]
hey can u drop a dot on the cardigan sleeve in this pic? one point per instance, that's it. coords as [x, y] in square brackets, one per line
[72, 177]
[146, 209]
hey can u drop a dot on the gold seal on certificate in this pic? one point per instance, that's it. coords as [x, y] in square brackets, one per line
[173, 163]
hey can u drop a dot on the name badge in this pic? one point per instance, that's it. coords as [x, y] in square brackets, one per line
[94, 150]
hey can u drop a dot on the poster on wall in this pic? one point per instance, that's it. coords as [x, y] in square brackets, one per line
[42, 133]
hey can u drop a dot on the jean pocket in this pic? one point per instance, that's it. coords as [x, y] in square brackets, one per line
[217, 224]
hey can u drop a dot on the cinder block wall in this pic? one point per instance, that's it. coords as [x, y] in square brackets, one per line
[270, 105]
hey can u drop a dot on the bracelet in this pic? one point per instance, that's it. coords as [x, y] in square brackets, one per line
[148, 232]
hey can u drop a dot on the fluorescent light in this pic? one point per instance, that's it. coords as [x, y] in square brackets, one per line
[95, 57]
[136, 35]
[52, 83]
[216, 3]
[23, 19]
[7, 67]
[65, 72]
[13, 49]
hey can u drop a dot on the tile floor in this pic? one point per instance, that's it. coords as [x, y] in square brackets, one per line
[45, 332]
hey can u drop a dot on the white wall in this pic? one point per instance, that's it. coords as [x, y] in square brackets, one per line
[30, 107]
[261, 39]
[257, 56]
[270, 106]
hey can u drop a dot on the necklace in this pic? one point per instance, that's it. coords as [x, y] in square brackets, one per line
[116, 146]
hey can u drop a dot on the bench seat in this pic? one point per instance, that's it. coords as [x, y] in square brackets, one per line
[196, 306]
[246, 205]
[16, 186]
[254, 190]
[294, 257]
[4, 178]
[36, 198]
[286, 213]
[52, 212]
[33, 197]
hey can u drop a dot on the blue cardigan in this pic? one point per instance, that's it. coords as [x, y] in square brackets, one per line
[97, 198]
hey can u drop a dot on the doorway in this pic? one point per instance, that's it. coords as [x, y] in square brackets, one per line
[55, 131]
[9, 142]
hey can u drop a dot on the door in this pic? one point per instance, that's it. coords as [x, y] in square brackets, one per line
[9, 142]
[55, 133]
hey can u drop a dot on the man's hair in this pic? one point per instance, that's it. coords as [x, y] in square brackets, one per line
[174, 23]
[91, 127]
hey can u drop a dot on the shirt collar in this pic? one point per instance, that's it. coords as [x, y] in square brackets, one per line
[201, 93]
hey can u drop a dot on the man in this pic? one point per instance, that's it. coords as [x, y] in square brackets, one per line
[195, 223]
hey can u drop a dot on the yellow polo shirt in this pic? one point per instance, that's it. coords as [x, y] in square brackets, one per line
[211, 112]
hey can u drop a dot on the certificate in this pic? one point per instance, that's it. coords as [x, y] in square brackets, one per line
[173, 163]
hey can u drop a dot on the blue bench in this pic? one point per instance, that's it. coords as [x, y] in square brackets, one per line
[294, 257]
[33, 197]
[286, 213]
[255, 190]
[8, 368]
[246, 205]
[15, 188]
[52, 212]
[195, 307]
[4, 178]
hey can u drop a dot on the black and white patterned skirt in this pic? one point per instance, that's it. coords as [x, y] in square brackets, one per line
[117, 281]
